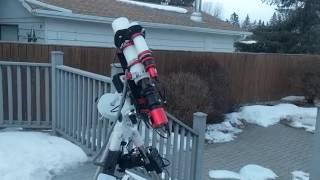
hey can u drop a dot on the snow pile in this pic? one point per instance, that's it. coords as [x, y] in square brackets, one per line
[308, 122]
[248, 42]
[292, 115]
[35, 155]
[269, 115]
[248, 172]
[256, 172]
[224, 174]
[294, 99]
[300, 175]
[156, 6]
[223, 132]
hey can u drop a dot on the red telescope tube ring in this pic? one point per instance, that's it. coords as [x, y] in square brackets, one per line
[126, 44]
[158, 117]
[136, 35]
[144, 54]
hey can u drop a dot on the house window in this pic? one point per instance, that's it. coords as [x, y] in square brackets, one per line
[8, 32]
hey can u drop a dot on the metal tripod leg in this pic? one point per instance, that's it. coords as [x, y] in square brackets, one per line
[142, 174]
[100, 168]
[112, 151]
[115, 138]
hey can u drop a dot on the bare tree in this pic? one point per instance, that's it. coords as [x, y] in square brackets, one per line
[214, 9]
[207, 6]
[217, 11]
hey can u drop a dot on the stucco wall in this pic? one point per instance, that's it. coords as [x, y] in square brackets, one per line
[12, 12]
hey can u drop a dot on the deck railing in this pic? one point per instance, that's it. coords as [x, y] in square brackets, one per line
[25, 95]
[62, 98]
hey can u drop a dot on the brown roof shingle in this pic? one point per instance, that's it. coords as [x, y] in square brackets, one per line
[114, 9]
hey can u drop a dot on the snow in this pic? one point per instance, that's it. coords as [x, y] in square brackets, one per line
[269, 115]
[156, 6]
[222, 174]
[221, 133]
[248, 42]
[294, 98]
[35, 155]
[265, 116]
[308, 121]
[248, 172]
[300, 175]
[255, 172]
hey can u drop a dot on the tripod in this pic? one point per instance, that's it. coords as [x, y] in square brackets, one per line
[120, 109]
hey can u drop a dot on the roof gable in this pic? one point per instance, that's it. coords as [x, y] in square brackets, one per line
[6, 10]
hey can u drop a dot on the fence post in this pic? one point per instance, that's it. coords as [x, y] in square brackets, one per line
[115, 69]
[315, 173]
[199, 125]
[56, 60]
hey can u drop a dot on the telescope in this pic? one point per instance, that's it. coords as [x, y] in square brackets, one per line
[137, 99]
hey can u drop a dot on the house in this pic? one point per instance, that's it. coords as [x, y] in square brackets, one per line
[88, 23]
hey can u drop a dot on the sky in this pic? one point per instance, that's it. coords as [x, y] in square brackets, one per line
[255, 8]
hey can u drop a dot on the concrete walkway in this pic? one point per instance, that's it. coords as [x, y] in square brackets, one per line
[280, 148]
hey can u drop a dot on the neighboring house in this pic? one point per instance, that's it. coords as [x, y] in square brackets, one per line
[88, 23]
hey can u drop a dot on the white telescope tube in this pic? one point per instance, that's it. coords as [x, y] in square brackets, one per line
[139, 41]
[129, 51]
[143, 51]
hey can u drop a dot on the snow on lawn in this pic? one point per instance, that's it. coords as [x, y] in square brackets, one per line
[35, 155]
[264, 116]
[248, 172]
[300, 175]
[156, 6]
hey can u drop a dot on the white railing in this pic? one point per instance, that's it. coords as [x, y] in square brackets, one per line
[25, 95]
[34, 95]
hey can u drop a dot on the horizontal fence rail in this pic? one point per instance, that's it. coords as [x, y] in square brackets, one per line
[25, 95]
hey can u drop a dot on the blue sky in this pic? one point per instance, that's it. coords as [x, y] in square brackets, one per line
[255, 8]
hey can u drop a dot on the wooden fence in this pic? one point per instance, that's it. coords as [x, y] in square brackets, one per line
[252, 77]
